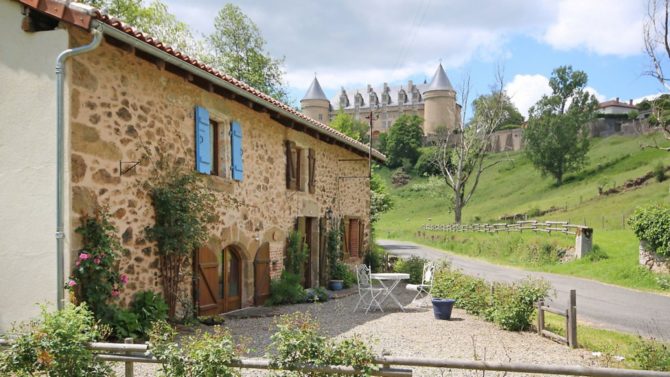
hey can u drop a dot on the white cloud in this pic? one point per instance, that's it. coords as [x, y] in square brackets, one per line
[599, 97]
[602, 26]
[526, 90]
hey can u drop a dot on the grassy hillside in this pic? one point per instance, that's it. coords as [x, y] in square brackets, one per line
[515, 187]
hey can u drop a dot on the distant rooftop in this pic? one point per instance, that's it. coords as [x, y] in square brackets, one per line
[315, 91]
[440, 81]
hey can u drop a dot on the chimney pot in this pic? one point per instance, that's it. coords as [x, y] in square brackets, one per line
[630, 102]
[617, 99]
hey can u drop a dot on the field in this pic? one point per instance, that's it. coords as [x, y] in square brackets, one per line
[515, 187]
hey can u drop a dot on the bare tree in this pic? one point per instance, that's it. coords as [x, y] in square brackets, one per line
[461, 153]
[657, 47]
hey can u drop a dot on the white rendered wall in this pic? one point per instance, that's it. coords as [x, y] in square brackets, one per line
[27, 166]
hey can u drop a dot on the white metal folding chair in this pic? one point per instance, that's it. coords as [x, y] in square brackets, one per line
[423, 289]
[366, 292]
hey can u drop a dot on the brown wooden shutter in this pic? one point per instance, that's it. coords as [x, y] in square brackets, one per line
[361, 237]
[291, 176]
[297, 167]
[354, 237]
[312, 165]
[345, 244]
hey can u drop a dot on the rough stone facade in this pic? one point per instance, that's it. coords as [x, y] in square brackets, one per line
[121, 104]
[653, 261]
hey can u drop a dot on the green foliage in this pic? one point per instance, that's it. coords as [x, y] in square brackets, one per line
[510, 306]
[382, 142]
[95, 278]
[238, 49]
[298, 341]
[287, 289]
[182, 204]
[351, 127]
[296, 253]
[318, 294]
[650, 224]
[633, 114]
[55, 345]
[334, 252]
[512, 116]
[207, 354]
[412, 266]
[124, 323]
[596, 254]
[381, 200]
[400, 177]
[652, 355]
[344, 273]
[659, 172]
[149, 307]
[404, 139]
[374, 258]
[425, 164]
[556, 138]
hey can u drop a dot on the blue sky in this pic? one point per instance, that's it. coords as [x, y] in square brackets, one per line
[352, 43]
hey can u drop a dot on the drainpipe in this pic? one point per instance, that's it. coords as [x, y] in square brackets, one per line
[60, 158]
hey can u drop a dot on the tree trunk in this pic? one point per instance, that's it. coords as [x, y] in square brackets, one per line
[458, 208]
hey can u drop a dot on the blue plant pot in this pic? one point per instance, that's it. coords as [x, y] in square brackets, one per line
[442, 307]
[335, 285]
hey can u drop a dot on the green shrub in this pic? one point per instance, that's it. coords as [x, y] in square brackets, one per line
[596, 254]
[652, 355]
[539, 252]
[149, 307]
[343, 272]
[296, 253]
[298, 341]
[659, 172]
[202, 354]
[412, 266]
[471, 294]
[55, 345]
[514, 304]
[375, 258]
[424, 164]
[318, 294]
[286, 290]
[400, 177]
[651, 224]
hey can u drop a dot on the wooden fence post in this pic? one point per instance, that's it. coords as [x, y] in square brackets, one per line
[572, 315]
[540, 317]
[129, 364]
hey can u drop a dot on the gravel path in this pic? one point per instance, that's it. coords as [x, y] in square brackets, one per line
[412, 333]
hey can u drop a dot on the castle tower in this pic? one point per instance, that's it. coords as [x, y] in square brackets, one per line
[315, 104]
[440, 104]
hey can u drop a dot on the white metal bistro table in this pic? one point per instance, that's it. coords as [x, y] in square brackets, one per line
[392, 279]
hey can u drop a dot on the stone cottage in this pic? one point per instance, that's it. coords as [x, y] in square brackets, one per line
[129, 94]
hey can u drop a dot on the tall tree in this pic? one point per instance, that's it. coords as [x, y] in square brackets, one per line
[404, 140]
[351, 127]
[460, 155]
[513, 116]
[238, 49]
[556, 138]
[154, 19]
[657, 46]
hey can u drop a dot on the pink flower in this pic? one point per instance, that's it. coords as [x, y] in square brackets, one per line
[96, 260]
[77, 263]
[115, 293]
[71, 283]
[123, 278]
[83, 256]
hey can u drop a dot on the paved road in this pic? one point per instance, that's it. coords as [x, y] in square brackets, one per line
[602, 305]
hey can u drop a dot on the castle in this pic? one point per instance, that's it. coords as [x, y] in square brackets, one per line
[434, 102]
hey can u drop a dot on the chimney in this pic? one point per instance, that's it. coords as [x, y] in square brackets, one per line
[630, 102]
[617, 99]
[410, 85]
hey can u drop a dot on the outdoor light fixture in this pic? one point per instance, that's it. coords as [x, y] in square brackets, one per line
[329, 213]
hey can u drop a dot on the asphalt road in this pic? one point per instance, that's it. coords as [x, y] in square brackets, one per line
[601, 305]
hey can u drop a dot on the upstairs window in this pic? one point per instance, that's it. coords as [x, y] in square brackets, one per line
[300, 171]
[210, 148]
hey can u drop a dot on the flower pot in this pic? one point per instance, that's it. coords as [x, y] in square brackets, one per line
[442, 307]
[336, 285]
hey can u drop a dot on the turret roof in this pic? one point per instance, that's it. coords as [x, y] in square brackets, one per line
[440, 81]
[315, 91]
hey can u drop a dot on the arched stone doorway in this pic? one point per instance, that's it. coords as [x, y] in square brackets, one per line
[262, 274]
[219, 283]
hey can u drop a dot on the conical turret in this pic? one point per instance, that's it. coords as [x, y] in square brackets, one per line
[440, 110]
[315, 104]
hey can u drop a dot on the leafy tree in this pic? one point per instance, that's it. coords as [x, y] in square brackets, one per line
[381, 200]
[424, 165]
[556, 137]
[351, 127]
[460, 155]
[382, 142]
[404, 140]
[513, 116]
[155, 20]
[239, 50]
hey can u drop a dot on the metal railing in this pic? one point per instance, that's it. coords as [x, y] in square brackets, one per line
[388, 365]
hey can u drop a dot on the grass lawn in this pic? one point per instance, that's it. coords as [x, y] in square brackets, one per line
[515, 187]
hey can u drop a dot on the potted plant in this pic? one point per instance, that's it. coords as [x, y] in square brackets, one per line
[337, 274]
[442, 305]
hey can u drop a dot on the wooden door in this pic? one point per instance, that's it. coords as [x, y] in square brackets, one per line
[262, 275]
[354, 237]
[231, 280]
[207, 267]
[307, 237]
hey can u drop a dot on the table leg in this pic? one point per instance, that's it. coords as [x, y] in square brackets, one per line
[389, 292]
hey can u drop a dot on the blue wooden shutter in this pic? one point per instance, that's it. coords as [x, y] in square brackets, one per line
[203, 156]
[236, 151]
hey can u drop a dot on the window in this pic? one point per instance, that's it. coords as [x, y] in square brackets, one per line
[210, 146]
[353, 236]
[300, 172]
[320, 117]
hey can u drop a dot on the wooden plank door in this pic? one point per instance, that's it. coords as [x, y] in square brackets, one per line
[354, 238]
[207, 266]
[262, 274]
[231, 278]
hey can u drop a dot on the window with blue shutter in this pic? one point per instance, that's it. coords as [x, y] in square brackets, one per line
[203, 152]
[236, 166]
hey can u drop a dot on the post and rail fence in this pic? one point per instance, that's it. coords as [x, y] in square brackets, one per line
[388, 365]
[583, 234]
[570, 315]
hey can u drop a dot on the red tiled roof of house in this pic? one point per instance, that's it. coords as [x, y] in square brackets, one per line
[80, 14]
[617, 103]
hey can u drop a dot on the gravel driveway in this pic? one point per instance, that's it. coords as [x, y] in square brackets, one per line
[412, 333]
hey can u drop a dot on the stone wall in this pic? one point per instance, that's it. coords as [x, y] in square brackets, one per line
[122, 105]
[653, 261]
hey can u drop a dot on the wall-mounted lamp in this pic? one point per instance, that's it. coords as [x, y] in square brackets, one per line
[329, 213]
